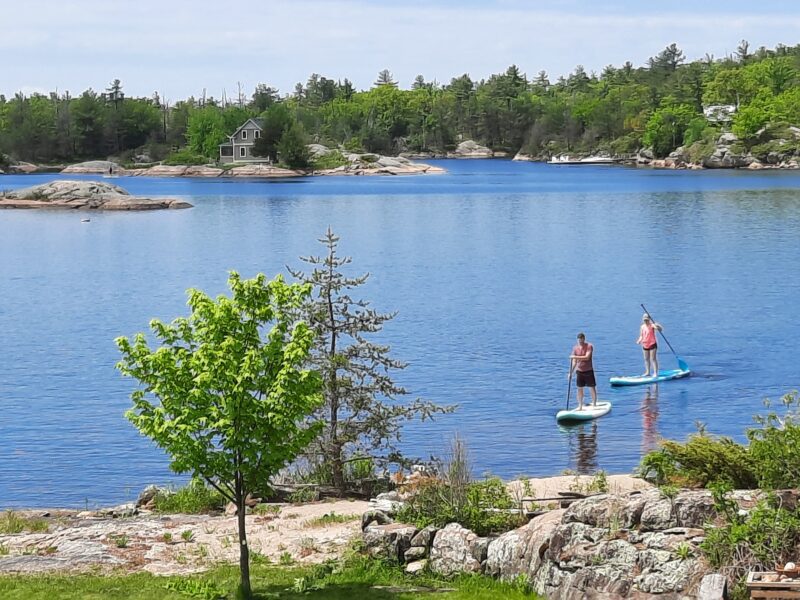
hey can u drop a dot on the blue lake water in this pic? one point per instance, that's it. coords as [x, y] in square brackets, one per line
[493, 269]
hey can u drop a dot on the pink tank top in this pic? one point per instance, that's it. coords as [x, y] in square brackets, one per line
[648, 336]
[583, 365]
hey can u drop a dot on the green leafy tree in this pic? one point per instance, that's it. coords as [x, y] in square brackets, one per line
[362, 412]
[206, 131]
[665, 129]
[225, 393]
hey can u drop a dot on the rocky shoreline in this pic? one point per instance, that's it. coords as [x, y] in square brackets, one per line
[83, 195]
[639, 543]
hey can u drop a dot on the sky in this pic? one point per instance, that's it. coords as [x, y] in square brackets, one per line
[178, 48]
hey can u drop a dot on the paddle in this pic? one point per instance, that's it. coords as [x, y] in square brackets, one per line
[569, 383]
[681, 363]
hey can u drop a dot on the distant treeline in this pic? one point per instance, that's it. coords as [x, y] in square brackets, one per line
[620, 110]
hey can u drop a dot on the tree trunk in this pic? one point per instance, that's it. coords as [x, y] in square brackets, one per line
[244, 552]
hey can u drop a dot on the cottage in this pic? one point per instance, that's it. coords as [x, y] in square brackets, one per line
[239, 147]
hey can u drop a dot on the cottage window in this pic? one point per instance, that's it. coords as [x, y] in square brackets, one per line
[256, 134]
[243, 151]
[244, 134]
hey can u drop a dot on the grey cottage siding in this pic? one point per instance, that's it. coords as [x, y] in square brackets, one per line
[239, 147]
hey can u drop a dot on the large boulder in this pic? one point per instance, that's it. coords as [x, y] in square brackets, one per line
[470, 149]
[66, 194]
[456, 550]
[94, 166]
[318, 150]
[521, 551]
[389, 542]
[262, 170]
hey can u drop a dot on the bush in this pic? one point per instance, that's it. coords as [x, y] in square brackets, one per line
[758, 540]
[330, 161]
[770, 461]
[195, 498]
[457, 499]
[185, 157]
[702, 460]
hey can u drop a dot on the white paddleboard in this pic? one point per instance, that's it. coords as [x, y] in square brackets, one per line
[588, 412]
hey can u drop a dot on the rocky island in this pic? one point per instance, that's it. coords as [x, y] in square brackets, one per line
[91, 195]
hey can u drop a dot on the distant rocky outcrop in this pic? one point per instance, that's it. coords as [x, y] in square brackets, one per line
[65, 194]
[94, 166]
[471, 149]
[728, 152]
[375, 164]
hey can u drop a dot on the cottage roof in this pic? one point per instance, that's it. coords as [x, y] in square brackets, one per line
[258, 122]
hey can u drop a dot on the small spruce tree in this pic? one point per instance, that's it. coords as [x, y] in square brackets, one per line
[361, 414]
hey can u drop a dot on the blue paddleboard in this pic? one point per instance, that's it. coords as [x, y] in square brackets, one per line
[588, 413]
[662, 376]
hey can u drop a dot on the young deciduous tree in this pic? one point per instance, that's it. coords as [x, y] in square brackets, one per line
[361, 415]
[225, 394]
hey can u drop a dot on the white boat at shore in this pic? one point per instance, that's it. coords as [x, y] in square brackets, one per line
[565, 159]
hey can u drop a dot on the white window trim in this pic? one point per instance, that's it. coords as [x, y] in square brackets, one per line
[242, 151]
[256, 134]
[244, 134]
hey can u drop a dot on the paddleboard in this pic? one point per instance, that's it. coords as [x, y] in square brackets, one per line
[588, 413]
[662, 376]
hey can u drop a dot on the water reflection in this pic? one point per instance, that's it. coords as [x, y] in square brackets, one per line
[649, 412]
[583, 446]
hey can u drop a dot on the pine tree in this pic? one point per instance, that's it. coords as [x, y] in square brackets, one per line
[385, 78]
[361, 413]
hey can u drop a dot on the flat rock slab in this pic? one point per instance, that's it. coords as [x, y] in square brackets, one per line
[83, 195]
[178, 544]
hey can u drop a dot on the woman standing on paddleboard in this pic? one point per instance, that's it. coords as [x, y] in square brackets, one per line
[647, 338]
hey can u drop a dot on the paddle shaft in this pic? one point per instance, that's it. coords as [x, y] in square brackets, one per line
[659, 331]
[569, 383]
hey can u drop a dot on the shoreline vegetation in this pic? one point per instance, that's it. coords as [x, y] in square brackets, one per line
[738, 111]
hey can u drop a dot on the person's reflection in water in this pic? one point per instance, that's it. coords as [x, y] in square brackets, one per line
[586, 459]
[650, 419]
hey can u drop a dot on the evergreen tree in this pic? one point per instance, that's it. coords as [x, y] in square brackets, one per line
[292, 148]
[419, 83]
[385, 78]
[362, 412]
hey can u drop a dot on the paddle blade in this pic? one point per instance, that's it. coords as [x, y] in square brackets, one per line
[682, 364]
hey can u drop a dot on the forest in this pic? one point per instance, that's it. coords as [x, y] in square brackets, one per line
[620, 110]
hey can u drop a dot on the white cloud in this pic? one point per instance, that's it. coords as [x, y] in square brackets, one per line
[181, 46]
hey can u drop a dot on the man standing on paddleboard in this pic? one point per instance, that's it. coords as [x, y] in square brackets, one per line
[647, 338]
[581, 364]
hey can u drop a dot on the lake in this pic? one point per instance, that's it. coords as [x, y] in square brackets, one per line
[493, 269]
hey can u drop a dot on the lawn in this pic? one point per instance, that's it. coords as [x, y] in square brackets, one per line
[358, 579]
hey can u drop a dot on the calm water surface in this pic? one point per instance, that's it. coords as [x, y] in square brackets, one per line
[493, 268]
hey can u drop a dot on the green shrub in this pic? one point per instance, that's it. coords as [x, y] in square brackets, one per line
[185, 157]
[435, 503]
[765, 537]
[701, 460]
[194, 498]
[330, 161]
[775, 447]
[771, 460]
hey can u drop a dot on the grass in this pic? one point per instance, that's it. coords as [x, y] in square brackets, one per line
[330, 518]
[357, 579]
[194, 498]
[12, 522]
